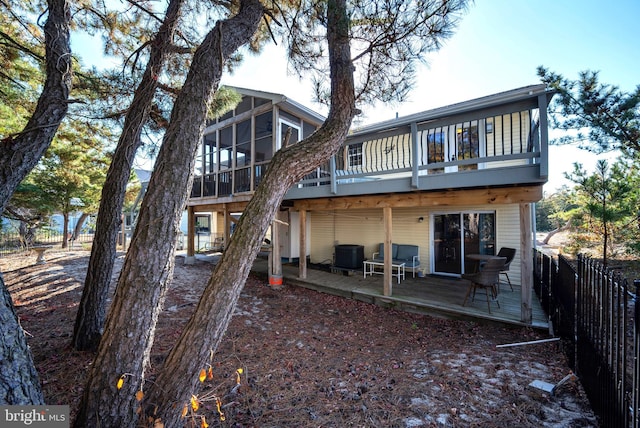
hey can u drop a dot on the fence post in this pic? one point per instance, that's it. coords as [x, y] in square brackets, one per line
[636, 357]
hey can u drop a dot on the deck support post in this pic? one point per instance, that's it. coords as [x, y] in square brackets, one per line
[276, 260]
[388, 253]
[302, 260]
[191, 229]
[526, 262]
[227, 225]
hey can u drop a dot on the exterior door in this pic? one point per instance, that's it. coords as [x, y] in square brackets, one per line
[457, 234]
[447, 245]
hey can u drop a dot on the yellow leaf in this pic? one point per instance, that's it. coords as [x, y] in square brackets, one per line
[139, 395]
[204, 423]
[185, 409]
[210, 373]
[219, 406]
[120, 382]
[203, 375]
[240, 370]
[194, 403]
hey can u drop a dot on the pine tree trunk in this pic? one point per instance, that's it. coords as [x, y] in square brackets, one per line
[91, 312]
[18, 155]
[128, 336]
[178, 379]
[77, 229]
[554, 231]
[65, 230]
[19, 382]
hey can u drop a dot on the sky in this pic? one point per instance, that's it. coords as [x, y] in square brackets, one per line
[497, 46]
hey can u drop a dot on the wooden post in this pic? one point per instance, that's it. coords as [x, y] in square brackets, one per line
[124, 234]
[302, 263]
[227, 226]
[276, 269]
[387, 219]
[191, 228]
[526, 263]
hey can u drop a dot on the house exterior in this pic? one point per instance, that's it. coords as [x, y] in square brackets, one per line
[453, 181]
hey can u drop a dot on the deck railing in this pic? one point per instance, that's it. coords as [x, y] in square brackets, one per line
[497, 141]
[421, 150]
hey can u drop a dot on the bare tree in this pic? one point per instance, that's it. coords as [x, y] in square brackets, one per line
[18, 155]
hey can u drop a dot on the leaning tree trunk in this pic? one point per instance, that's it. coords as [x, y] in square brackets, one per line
[19, 382]
[65, 230]
[550, 235]
[178, 379]
[91, 312]
[124, 350]
[77, 228]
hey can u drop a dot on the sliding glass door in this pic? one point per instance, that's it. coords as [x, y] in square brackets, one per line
[454, 235]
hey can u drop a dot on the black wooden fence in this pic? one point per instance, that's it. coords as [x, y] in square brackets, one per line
[593, 309]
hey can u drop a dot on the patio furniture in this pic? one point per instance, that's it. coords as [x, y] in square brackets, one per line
[370, 268]
[487, 278]
[409, 255]
[509, 253]
[478, 261]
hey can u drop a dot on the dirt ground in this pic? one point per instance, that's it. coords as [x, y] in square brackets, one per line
[314, 360]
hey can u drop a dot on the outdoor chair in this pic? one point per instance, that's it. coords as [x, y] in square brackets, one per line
[488, 278]
[509, 253]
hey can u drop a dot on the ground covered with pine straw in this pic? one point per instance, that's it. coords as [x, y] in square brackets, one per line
[314, 360]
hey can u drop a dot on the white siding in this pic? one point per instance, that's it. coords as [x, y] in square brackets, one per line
[508, 235]
[365, 227]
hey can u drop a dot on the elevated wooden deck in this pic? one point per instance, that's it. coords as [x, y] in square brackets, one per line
[431, 295]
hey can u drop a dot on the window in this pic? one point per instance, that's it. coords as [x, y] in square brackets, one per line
[354, 155]
[264, 143]
[226, 148]
[209, 148]
[243, 143]
[244, 105]
[295, 132]
[203, 223]
[433, 148]
[468, 141]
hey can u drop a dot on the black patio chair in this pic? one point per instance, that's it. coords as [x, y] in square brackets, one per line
[509, 253]
[488, 279]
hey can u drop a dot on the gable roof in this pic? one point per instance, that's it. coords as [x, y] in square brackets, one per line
[282, 101]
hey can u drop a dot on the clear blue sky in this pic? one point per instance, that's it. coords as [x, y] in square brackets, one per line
[498, 46]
